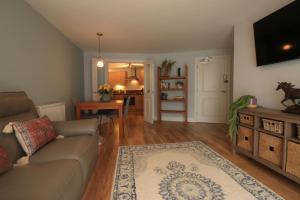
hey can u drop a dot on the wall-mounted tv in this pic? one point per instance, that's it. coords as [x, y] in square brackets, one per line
[277, 36]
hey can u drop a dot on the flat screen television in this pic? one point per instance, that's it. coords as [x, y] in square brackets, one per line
[277, 36]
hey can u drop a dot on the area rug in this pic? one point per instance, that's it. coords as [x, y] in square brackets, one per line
[182, 171]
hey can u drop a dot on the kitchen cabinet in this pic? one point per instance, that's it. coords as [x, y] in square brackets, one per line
[117, 78]
[136, 101]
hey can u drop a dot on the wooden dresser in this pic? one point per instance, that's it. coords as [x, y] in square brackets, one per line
[270, 137]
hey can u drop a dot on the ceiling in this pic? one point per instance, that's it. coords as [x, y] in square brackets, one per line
[152, 26]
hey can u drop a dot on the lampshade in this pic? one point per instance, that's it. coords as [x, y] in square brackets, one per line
[100, 62]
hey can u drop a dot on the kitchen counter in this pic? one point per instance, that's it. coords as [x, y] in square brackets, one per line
[129, 92]
[136, 101]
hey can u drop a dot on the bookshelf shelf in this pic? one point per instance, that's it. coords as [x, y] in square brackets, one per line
[161, 90]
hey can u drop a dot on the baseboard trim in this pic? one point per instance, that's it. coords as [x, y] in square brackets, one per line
[175, 119]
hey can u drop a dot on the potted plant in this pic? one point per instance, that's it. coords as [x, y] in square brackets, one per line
[105, 91]
[242, 102]
[167, 66]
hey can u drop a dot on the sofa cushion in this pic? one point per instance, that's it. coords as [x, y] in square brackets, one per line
[13, 103]
[9, 141]
[5, 162]
[84, 149]
[77, 127]
[48, 181]
[34, 134]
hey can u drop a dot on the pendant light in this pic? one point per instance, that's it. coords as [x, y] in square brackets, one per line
[100, 62]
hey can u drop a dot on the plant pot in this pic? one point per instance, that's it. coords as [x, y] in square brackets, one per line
[105, 97]
[165, 70]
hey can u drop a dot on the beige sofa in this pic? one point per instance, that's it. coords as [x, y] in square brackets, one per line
[58, 171]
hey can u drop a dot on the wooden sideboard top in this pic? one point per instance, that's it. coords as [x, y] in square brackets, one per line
[272, 113]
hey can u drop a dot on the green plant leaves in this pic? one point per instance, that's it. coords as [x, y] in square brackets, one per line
[242, 102]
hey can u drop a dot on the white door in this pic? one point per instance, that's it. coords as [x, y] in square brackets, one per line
[148, 94]
[212, 89]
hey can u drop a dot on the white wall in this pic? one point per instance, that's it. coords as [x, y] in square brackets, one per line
[259, 81]
[181, 58]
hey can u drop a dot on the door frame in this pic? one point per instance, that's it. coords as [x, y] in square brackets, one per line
[196, 89]
[107, 61]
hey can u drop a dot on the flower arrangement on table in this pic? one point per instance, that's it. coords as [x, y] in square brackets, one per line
[105, 91]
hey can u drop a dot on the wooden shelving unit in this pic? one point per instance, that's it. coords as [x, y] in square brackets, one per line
[184, 90]
[278, 151]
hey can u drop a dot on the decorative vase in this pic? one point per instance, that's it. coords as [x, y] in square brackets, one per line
[178, 71]
[165, 70]
[106, 97]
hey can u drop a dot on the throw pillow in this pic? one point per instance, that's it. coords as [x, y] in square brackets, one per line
[8, 129]
[5, 162]
[22, 161]
[34, 134]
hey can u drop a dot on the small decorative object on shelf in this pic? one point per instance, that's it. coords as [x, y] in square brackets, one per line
[252, 103]
[178, 71]
[163, 96]
[178, 98]
[292, 94]
[165, 85]
[167, 66]
[106, 92]
[179, 84]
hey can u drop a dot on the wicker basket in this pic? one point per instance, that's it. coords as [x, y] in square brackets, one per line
[273, 126]
[246, 119]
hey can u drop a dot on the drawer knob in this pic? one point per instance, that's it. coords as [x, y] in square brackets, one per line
[246, 138]
[271, 148]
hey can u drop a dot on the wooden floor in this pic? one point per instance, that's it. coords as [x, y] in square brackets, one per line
[214, 135]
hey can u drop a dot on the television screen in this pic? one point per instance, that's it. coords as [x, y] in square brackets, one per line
[277, 36]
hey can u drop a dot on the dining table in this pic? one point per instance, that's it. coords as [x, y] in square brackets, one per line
[98, 105]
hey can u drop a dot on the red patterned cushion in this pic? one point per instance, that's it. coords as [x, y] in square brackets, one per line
[5, 162]
[34, 134]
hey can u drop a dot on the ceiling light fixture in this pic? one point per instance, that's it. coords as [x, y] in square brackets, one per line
[138, 64]
[205, 59]
[100, 62]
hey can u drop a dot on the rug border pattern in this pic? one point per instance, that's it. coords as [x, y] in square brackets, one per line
[125, 165]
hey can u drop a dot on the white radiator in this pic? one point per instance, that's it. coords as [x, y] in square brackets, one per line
[55, 111]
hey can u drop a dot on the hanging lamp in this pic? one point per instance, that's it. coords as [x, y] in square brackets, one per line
[100, 62]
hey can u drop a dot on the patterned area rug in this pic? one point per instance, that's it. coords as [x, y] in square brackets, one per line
[182, 171]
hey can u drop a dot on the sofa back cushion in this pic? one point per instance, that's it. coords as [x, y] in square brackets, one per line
[5, 162]
[34, 134]
[14, 106]
[13, 103]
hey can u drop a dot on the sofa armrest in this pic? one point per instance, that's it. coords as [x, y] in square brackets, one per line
[77, 127]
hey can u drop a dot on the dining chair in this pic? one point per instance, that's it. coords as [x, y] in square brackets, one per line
[114, 114]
